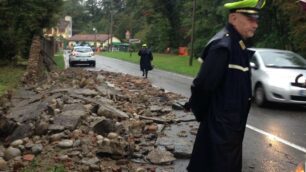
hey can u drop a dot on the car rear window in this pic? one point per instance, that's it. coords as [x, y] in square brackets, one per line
[83, 49]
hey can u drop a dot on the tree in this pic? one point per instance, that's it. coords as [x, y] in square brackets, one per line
[209, 19]
[77, 11]
[21, 20]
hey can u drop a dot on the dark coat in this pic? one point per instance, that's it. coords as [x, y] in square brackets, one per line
[145, 59]
[224, 86]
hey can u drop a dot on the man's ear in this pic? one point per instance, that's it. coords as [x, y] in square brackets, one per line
[232, 18]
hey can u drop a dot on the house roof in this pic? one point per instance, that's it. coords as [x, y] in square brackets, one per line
[89, 37]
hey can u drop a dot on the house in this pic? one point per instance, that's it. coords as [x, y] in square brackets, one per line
[63, 29]
[97, 40]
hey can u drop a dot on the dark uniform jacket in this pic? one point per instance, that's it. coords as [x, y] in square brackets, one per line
[145, 59]
[220, 99]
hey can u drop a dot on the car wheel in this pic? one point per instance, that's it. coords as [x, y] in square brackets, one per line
[70, 64]
[260, 96]
[93, 64]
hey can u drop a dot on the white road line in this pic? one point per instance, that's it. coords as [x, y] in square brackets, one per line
[300, 148]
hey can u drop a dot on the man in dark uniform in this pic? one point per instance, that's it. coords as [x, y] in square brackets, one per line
[145, 60]
[221, 92]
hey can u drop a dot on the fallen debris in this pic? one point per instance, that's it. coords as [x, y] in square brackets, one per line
[93, 121]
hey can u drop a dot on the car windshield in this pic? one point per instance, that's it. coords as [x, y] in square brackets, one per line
[277, 59]
[83, 49]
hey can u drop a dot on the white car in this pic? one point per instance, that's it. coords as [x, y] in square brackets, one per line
[82, 55]
[278, 76]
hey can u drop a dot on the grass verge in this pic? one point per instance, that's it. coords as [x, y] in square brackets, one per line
[10, 77]
[59, 60]
[172, 63]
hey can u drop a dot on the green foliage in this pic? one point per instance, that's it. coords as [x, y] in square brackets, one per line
[20, 20]
[158, 38]
[10, 77]
[59, 60]
[159, 23]
[32, 167]
[36, 167]
[58, 168]
[207, 22]
[283, 26]
[295, 20]
[74, 9]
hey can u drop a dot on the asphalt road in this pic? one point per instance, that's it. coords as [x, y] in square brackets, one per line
[275, 139]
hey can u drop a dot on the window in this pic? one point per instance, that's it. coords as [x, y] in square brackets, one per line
[281, 59]
[255, 61]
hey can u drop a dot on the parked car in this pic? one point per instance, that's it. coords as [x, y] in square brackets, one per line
[82, 55]
[274, 74]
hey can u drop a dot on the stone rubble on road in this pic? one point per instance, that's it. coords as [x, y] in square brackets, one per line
[94, 121]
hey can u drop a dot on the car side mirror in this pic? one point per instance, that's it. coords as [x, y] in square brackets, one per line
[253, 65]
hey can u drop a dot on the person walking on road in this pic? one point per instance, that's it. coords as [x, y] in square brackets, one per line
[221, 92]
[145, 60]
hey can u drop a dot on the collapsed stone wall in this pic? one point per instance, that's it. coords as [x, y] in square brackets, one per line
[35, 62]
[102, 120]
[40, 59]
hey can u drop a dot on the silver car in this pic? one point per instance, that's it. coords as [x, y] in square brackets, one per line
[278, 76]
[82, 55]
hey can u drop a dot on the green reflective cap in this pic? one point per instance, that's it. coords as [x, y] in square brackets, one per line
[247, 7]
[253, 4]
[144, 45]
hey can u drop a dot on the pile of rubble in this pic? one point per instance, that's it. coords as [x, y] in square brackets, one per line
[93, 121]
